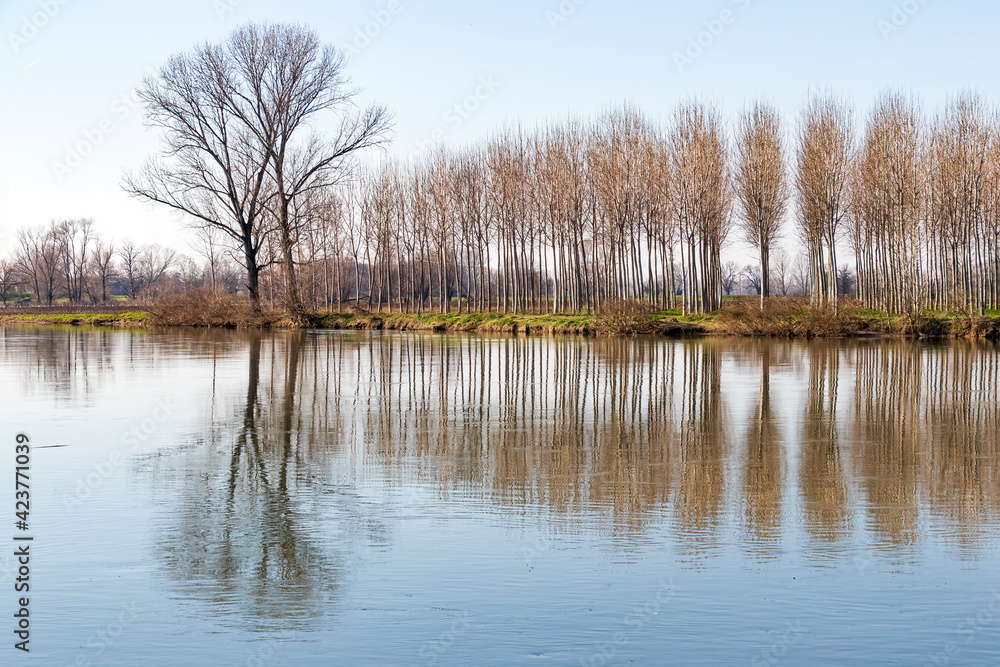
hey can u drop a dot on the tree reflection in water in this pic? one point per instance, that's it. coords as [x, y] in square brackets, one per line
[712, 442]
[258, 525]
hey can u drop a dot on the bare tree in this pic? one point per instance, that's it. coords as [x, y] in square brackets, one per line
[802, 272]
[702, 201]
[130, 256]
[295, 80]
[10, 279]
[39, 258]
[731, 275]
[209, 246]
[142, 268]
[74, 238]
[212, 168]
[189, 275]
[781, 273]
[888, 207]
[824, 161]
[154, 262]
[508, 169]
[960, 163]
[617, 157]
[102, 269]
[761, 185]
[752, 279]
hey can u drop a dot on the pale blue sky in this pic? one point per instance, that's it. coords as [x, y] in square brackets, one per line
[77, 72]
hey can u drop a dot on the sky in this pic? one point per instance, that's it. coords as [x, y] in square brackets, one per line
[453, 72]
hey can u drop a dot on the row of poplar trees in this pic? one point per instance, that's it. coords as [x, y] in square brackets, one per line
[573, 214]
[559, 220]
[924, 216]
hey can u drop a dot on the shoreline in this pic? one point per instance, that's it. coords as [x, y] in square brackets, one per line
[808, 325]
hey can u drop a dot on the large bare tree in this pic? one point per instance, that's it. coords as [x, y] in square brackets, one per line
[75, 239]
[213, 168]
[294, 80]
[962, 140]
[102, 271]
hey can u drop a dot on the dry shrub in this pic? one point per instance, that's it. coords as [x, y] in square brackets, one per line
[787, 317]
[625, 316]
[917, 325]
[976, 328]
[795, 318]
[205, 308]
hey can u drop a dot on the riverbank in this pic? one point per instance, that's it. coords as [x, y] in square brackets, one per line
[741, 320]
[552, 325]
[134, 320]
[544, 325]
[804, 323]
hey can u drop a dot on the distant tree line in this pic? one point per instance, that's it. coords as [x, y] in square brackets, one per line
[68, 261]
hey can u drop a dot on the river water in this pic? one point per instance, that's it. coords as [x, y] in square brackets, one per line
[351, 499]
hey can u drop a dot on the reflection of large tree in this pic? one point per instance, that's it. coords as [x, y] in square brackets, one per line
[962, 406]
[254, 530]
[702, 422]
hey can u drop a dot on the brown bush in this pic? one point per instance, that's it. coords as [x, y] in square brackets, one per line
[787, 317]
[917, 325]
[625, 316]
[976, 327]
[205, 308]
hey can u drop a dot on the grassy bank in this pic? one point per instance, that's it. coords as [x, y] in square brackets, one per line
[794, 318]
[787, 322]
[550, 325]
[117, 320]
[781, 318]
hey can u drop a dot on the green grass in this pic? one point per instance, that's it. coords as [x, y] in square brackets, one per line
[80, 318]
[784, 318]
[457, 321]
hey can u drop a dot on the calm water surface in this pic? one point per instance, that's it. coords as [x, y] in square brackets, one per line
[354, 499]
